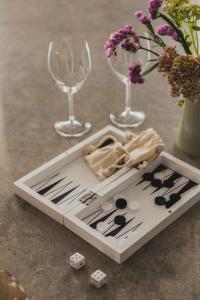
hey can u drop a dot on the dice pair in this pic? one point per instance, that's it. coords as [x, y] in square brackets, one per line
[97, 279]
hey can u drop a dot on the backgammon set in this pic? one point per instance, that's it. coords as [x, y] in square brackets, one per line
[118, 213]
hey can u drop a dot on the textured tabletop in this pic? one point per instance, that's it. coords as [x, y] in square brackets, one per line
[33, 247]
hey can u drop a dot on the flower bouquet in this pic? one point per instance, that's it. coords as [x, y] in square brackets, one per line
[179, 61]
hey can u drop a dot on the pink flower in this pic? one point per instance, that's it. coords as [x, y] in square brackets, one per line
[134, 73]
[141, 17]
[125, 36]
[167, 30]
[153, 8]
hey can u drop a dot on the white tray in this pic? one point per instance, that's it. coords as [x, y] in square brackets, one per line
[66, 190]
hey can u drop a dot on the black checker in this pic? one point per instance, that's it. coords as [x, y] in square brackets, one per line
[160, 200]
[120, 220]
[168, 183]
[121, 203]
[148, 176]
[175, 197]
[156, 183]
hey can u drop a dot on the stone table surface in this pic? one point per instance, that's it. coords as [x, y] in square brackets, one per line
[34, 247]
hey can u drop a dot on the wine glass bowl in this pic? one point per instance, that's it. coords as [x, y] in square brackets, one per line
[69, 64]
[119, 65]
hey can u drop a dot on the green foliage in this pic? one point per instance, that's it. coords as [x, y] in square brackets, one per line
[185, 14]
[196, 28]
[182, 23]
[150, 69]
[182, 11]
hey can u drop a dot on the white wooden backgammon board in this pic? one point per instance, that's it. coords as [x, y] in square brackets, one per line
[123, 212]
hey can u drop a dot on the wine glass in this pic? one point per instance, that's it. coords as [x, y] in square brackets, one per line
[119, 65]
[69, 63]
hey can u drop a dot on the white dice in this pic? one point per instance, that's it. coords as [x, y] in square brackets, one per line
[98, 279]
[77, 261]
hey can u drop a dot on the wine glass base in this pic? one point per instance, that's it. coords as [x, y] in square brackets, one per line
[128, 119]
[72, 129]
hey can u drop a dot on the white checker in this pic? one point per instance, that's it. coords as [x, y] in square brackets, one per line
[108, 205]
[133, 205]
[102, 226]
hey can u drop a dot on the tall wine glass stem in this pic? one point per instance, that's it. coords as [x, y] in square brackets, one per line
[71, 108]
[128, 98]
[71, 127]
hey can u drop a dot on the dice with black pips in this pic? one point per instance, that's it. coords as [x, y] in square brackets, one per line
[98, 279]
[77, 261]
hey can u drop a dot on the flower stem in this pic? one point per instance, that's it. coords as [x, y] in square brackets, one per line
[153, 52]
[156, 38]
[162, 44]
[193, 40]
[150, 69]
[197, 39]
[71, 108]
[179, 33]
[145, 38]
[128, 97]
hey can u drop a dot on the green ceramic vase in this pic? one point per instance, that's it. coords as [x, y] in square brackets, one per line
[188, 135]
